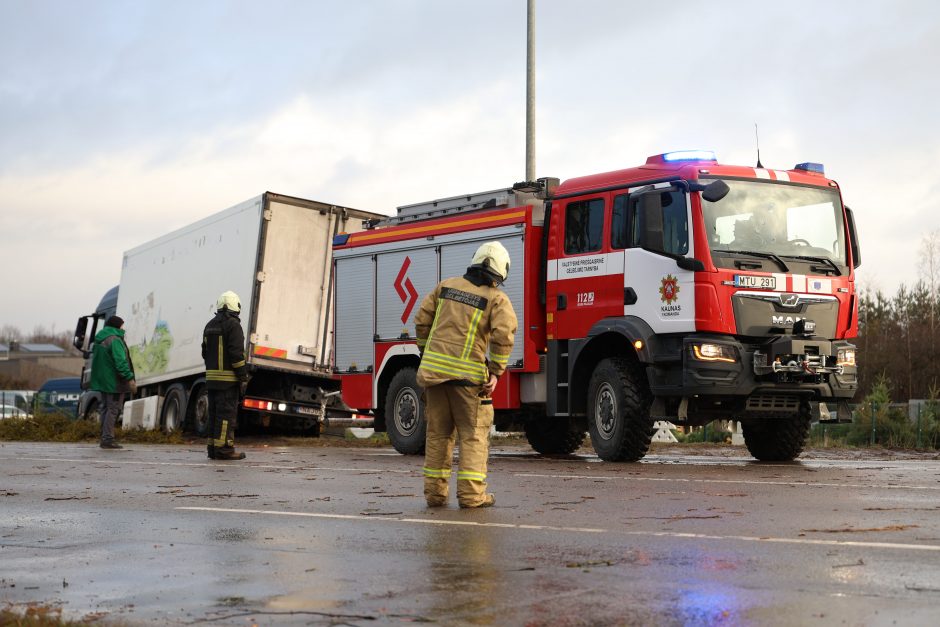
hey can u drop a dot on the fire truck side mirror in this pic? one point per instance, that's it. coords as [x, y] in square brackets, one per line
[853, 238]
[715, 191]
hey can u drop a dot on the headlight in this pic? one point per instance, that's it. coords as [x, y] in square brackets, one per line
[714, 352]
[845, 357]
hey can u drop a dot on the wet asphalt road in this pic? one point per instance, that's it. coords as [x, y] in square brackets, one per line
[323, 535]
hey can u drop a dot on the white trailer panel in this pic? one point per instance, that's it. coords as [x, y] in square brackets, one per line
[273, 251]
[169, 288]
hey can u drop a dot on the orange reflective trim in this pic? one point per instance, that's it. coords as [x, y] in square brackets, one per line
[395, 232]
[267, 351]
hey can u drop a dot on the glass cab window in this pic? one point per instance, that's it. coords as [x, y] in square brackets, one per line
[786, 220]
[675, 222]
[620, 224]
[584, 226]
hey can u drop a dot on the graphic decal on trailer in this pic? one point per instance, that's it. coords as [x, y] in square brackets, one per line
[406, 290]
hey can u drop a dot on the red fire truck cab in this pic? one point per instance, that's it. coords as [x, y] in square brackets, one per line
[681, 290]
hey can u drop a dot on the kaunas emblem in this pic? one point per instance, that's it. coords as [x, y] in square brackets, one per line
[669, 295]
[669, 290]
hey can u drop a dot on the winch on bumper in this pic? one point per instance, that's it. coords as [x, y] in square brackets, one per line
[716, 377]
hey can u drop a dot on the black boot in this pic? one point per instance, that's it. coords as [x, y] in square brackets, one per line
[229, 455]
[210, 450]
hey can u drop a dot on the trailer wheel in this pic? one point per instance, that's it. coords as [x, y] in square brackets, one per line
[777, 439]
[404, 413]
[618, 412]
[553, 436]
[199, 420]
[174, 408]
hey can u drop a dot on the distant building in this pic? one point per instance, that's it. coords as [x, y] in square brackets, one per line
[34, 363]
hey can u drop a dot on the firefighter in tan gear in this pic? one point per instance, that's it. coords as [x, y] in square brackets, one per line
[465, 330]
[223, 350]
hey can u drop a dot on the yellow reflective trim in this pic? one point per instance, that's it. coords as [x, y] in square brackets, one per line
[474, 371]
[471, 334]
[467, 475]
[220, 375]
[221, 440]
[437, 473]
[238, 364]
[499, 359]
[454, 362]
[453, 373]
[437, 313]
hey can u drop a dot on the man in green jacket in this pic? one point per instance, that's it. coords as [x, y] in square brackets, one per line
[112, 374]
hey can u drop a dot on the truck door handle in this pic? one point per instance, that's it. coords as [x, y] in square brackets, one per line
[629, 296]
[562, 302]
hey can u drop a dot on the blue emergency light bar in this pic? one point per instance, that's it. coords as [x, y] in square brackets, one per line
[690, 155]
[809, 166]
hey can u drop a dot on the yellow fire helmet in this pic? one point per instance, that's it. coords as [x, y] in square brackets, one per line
[229, 300]
[493, 258]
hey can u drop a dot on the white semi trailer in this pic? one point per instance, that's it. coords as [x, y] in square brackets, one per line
[274, 251]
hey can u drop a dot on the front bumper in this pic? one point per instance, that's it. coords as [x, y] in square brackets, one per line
[779, 366]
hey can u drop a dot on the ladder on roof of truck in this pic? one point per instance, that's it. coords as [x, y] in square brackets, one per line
[493, 199]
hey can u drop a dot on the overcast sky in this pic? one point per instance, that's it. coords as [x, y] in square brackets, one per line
[120, 121]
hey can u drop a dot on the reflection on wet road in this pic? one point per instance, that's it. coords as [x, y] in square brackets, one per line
[156, 534]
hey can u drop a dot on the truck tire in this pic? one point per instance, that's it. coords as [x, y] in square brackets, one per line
[618, 407]
[404, 413]
[777, 439]
[553, 436]
[199, 420]
[93, 411]
[173, 416]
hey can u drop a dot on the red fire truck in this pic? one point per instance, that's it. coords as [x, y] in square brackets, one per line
[682, 290]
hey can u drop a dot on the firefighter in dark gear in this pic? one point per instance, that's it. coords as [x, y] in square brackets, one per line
[465, 330]
[223, 350]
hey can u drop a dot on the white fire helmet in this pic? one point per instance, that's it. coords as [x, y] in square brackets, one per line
[229, 300]
[494, 258]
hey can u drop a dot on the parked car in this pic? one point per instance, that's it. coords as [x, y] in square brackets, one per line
[58, 395]
[10, 411]
[21, 399]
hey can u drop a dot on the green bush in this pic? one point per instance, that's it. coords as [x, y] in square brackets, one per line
[48, 427]
[875, 420]
[58, 427]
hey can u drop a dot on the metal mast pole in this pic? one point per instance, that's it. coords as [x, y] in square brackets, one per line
[530, 93]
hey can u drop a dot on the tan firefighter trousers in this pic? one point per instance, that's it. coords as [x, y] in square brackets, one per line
[449, 409]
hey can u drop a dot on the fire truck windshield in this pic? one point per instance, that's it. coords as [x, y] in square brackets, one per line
[783, 220]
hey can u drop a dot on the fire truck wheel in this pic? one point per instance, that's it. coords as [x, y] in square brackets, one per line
[618, 412]
[777, 439]
[556, 436]
[404, 413]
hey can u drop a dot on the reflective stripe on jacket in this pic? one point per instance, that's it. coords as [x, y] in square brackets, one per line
[223, 350]
[456, 324]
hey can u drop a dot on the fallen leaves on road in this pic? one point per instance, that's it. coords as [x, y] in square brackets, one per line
[861, 530]
[217, 496]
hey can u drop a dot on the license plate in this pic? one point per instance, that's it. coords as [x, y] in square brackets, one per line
[307, 410]
[750, 280]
